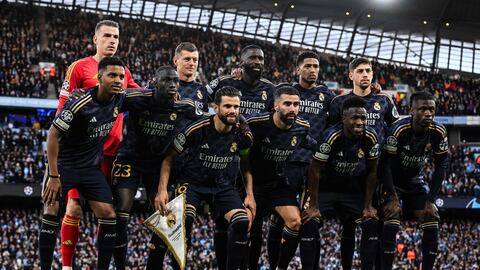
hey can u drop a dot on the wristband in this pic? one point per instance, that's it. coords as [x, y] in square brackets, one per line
[53, 176]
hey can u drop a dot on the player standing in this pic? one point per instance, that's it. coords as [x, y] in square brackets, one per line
[75, 147]
[211, 144]
[409, 142]
[343, 175]
[82, 74]
[276, 137]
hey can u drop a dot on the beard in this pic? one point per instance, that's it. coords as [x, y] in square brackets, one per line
[226, 120]
[286, 120]
[250, 70]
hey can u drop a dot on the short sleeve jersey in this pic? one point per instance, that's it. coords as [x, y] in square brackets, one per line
[195, 92]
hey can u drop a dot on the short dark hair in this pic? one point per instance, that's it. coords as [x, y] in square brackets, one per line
[248, 48]
[306, 54]
[226, 91]
[354, 102]
[185, 46]
[161, 69]
[285, 90]
[357, 62]
[110, 61]
[106, 23]
[421, 95]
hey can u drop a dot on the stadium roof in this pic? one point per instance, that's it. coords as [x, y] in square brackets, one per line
[408, 16]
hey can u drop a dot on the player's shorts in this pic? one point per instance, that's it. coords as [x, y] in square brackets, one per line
[106, 168]
[296, 175]
[223, 198]
[90, 182]
[412, 199]
[343, 205]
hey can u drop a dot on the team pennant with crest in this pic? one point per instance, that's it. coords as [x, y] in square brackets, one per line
[171, 228]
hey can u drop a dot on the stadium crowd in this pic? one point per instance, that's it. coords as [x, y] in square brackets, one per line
[27, 40]
[19, 228]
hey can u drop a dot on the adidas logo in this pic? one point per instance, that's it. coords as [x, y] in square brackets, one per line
[205, 146]
[93, 120]
[266, 140]
[67, 243]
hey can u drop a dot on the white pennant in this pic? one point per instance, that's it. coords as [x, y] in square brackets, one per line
[171, 228]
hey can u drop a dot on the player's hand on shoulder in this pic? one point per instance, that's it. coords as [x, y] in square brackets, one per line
[369, 213]
[242, 124]
[376, 88]
[52, 190]
[161, 200]
[77, 93]
[310, 213]
[236, 73]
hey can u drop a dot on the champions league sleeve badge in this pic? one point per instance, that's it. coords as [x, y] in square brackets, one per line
[171, 228]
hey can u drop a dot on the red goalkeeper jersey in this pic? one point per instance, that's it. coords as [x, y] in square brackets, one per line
[83, 74]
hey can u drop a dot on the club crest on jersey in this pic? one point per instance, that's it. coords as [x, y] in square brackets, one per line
[264, 95]
[234, 147]
[360, 153]
[171, 220]
[321, 97]
[199, 94]
[66, 116]
[444, 144]
[173, 116]
[294, 141]
[115, 112]
[377, 106]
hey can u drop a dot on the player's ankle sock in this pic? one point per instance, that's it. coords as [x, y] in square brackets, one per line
[347, 245]
[120, 252]
[308, 242]
[70, 232]
[237, 240]
[220, 239]
[288, 247]
[106, 238]
[274, 240]
[255, 244]
[429, 244]
[390, 230]
[157, 253]
[48, 238]
[369, 243]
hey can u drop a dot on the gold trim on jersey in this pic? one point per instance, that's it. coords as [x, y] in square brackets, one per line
[401, 128]
[371, 136]
[302, 122]
[139, 94]
[81, 102]
[70, 69]
[186, 102]
[334, 136]
[197, 126]
[259, 118]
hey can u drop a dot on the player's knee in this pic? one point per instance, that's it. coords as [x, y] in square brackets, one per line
[51, 210]
[239, 223]
[294, 223]
[106, 213]
[156, 243]
[74, 208]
